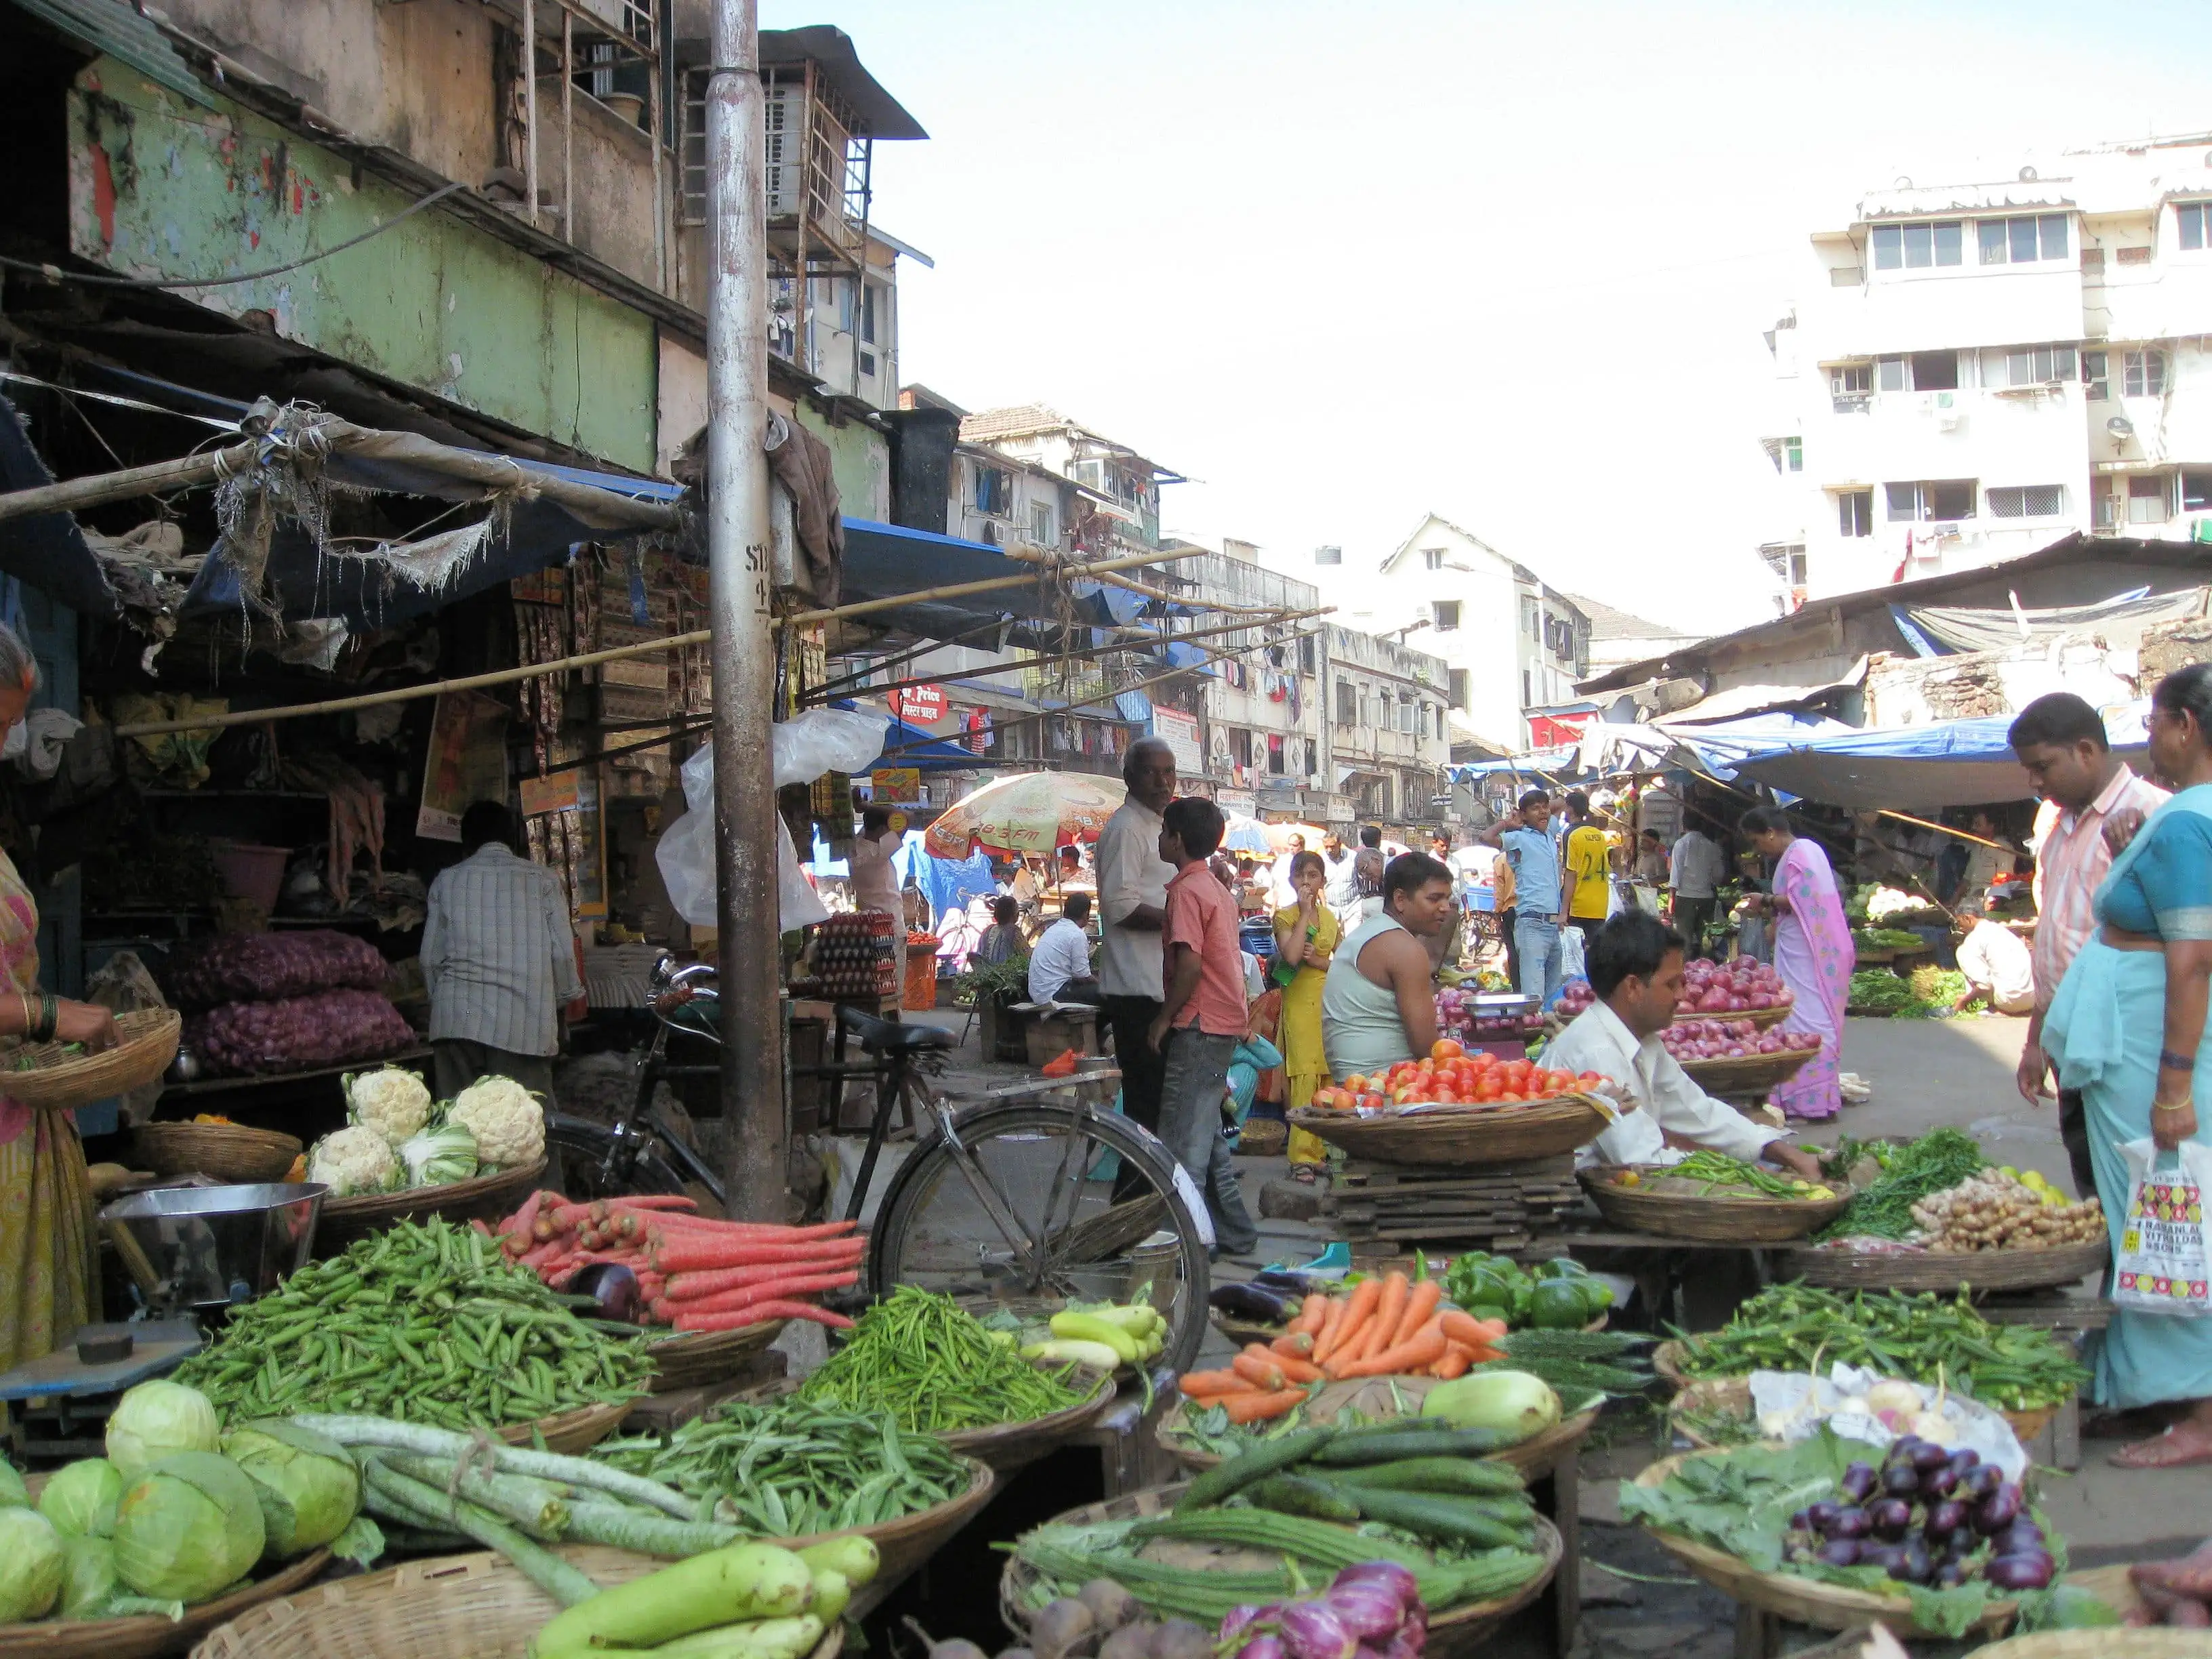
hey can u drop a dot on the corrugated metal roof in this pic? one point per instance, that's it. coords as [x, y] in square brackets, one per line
[122, 31]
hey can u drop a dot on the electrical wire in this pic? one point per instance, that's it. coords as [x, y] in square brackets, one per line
[55, 274]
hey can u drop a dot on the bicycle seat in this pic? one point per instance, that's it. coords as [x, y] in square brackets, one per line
[888, 1035]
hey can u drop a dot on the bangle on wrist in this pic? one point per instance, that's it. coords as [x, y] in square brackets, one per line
[2181, 1105]
[2170, 1061]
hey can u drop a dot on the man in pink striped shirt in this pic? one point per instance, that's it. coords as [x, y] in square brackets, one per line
[2092, 803]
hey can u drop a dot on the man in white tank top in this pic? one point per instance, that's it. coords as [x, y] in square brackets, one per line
[1378, 1004]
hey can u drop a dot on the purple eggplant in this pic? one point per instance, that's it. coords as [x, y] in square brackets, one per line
[2017, 1539]
[1822, 1516]
[1884, 1556]
[1964, 1459]
[1264, 1647]
[1945, 1518]
[1891, 1517]
[1850, 1522]
[1914, 1566]
[1858, 1482]
[1839, 1553]
[1939, 1483]
[1239, 1620]
[1900, 1480]
[1982, 1480]
[1254, 1303]
[1311, 1630]
[1801, 1521]
[1370, 1612]
[1998, 1510]
[1929, 1455]
[616, 1289]
[1949, 1574]
[2030, 1570]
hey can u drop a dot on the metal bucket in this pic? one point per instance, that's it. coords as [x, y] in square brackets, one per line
[208, 1247]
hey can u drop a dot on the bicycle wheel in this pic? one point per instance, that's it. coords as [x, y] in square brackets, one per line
[1014, 1210]
[587, 1160]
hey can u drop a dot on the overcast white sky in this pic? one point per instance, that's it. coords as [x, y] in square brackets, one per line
[1344, 265]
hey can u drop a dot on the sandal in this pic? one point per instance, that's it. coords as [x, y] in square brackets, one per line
[2184, 1445]
[1305, 1174]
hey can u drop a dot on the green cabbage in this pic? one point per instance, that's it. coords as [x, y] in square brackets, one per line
[438, 1155]
[80, 1498]
[88, 1580]
[191, 1526]
[30, 1565]
[12, 1489]
[156, 1419]
[308, 1485]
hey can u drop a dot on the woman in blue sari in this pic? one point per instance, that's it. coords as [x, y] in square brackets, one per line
[2128, 1030]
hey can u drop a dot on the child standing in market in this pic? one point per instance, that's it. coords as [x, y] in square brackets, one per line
[1202, 1015]
[1306, 934]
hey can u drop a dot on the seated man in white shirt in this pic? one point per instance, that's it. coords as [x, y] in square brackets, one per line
[1998, 968]
[1635, 965]
[1059, 962]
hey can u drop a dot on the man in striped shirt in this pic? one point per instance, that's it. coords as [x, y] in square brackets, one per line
[2092, 803]
[499, 956]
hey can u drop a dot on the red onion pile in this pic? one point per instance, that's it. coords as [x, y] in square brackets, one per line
[261, 967]
[298, 1034]
[1575, 996]
[1731, 1039]
[1740, 987]
[1372, 1611]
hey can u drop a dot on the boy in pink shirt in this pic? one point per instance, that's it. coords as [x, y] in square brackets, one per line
[1202, 1016]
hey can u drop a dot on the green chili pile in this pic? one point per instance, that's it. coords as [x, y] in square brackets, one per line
[1923, 1339]
[424, 1323]
[933, 1366]
[1935, 1163]
[1718, 1169]
[791, 1467]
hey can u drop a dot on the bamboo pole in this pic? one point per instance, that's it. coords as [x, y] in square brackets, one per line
[183, 473]
[1944, 829]
[535, 671]
[1156, 592]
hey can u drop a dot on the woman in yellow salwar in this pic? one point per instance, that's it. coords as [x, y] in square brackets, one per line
[47, 1283]
[1306, 933]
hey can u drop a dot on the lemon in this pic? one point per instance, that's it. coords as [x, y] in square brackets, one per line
[1820, 1192]
[2034, 1178]
[2007, 1169]
[2053, 1199]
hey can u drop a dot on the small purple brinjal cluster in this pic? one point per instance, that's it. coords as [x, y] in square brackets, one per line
[1371, 1611]
[1928, 1516]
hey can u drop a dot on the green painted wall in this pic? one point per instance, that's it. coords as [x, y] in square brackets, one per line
[860, 461]
[158, 188]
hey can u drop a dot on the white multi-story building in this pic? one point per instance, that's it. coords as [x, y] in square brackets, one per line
[1974, 370]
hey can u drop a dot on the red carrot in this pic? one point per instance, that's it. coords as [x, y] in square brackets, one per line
[687, 1225]
[537, 1255]
[752, 1265]
[655, 1201]
[771, 1289]
[762, 1312]
[687, 1256]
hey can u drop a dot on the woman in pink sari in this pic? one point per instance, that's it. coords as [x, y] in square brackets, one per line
[1812, 953]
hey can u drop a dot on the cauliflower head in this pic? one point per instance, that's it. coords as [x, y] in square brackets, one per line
[505, 1118]
[393, 1102]
[442, 1153]
[354, 1159]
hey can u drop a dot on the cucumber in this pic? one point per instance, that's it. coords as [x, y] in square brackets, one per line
[1248, 1468]
[1456, 1519]
[1299, 1494]
[1392, 1444]
[1467, 1476]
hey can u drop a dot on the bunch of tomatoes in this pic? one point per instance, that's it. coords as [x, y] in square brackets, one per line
[1451, 1076]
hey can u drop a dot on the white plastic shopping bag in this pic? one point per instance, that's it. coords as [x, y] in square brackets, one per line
[1571, 954]
[2164, 1260]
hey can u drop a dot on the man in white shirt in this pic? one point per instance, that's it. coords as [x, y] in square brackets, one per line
[1336, 867]
[1695, 870]
[874, 877]
[1998, 968]
[1635, 963]
[1133, 892]
[1280, 890]
[1059, 962]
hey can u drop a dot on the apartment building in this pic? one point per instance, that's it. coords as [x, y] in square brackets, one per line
[1510, 642]
[1976, 370]
[1266, 736]
[1390, 730]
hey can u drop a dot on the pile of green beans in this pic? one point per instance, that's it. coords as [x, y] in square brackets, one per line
[423, 1324]
[1923, 1339]
[790, 1467]
[932, 1366]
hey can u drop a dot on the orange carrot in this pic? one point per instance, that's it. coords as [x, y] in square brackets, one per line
[1453, 1364]
[1388, 1309]
[760, 1313]
[1420, 1307]
[1261, 1370]
[1299, 1370]
[1259, 1408]
[1205, 1385]
[1310, 1316]
[1425, 1348]
[1471, 1333]
[1297, 1346]
[1357, 1307]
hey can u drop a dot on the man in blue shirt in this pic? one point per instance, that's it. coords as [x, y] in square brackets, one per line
[1524, 838]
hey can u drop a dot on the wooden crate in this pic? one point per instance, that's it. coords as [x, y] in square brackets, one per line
[1500, 1206]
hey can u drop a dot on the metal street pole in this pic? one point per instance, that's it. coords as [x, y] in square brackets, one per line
[740, 573]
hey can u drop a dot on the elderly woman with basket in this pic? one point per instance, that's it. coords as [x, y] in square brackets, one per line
[48, 1281]
[2128, 1030]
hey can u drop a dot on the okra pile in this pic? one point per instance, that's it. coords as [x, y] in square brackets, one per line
[1923, 1339]
[423, 1324]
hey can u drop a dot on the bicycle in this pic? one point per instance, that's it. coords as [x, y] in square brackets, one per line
[641, 1152]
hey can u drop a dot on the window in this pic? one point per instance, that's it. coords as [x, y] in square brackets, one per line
[1526, 699]
[1459, 689]
[2022, 240]
[2143, 374]
[1446, 612]
[1313, 758]
[1890, 374]
[2146, 499]
[1528, 617]
[1935, 371]
[1916, 246]
[1347, 703]
[2038, 365]
[1796, 567]
[2197, 492]
[1942, 498]
[1793, 455]
[2094, 377]
[1307, 655]
[1240, 745]
[1041, 524]
[1855, 513]
[2132, 256]
[994, 491]
[1432, 558]
[2195, 219]
[1850, 386]
[1328, 555]
[1276, 756]
[868, 292]
[2026, 500]
[1405, 713]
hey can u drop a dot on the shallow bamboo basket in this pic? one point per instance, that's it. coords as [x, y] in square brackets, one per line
[228, 1151]
[1734, 1393]
[480, 1198]
[1932, 1270]
[1453, 1633]
[149, 1634]
[1462, 1134]
[477, 1605]
[1803, 1601]
[1760, 1019]
[690, 1359]
[47, 1074]
[1677, 1210]
[1010, 1446]
[1746, 1074]
[2111, 1586]
[570, 1433]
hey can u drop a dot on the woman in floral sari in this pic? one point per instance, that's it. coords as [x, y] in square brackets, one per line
[1812, 954]
[47, 1280]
